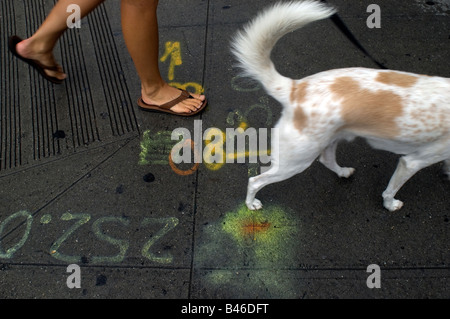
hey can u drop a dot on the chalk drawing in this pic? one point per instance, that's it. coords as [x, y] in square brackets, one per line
[213, 153]
[159, 148]
[99, 228]
[169, 224]
[120, 243]
[155, 148]
[173, 50]
[239, 82]
[267, 232]
[255, 247]
[191, 145]
[9, 253]
[192, 87]
[173, 53]
[81, 220]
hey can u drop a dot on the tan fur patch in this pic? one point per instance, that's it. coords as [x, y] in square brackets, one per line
[372, 112]
[300, 118]
[298, 96]
[396, 78]
[298, 92]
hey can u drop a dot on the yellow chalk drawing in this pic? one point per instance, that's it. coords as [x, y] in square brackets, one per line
[156, 149]
[173, 51]
[192, 87]
[213, 154]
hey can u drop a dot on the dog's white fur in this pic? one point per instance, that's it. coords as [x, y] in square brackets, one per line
[400, 112]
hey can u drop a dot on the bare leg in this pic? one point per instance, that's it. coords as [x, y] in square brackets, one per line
[140, 30]
[41, 44]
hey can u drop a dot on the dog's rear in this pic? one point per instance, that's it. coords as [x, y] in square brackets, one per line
[253, 45]
[396, 111]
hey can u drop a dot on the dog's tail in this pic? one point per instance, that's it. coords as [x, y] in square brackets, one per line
[252, 46]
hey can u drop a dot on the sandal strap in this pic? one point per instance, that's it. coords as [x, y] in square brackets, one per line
[55, 67]
[183, 96]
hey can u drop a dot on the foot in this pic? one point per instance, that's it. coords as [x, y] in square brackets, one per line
[254, 205]
[27, 50]
[168, 93]
[392, 204]
[346, 172]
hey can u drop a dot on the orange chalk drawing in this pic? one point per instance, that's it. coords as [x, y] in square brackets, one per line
[188, 171]
[251, 227]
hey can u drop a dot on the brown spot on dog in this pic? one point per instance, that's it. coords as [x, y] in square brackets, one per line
[365, 111]
[300, 118]
[298, 92]
[396, 78]
[298, 96]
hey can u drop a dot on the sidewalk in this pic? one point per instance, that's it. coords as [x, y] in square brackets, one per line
[85, 177]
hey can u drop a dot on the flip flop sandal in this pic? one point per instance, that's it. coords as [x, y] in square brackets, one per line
[165, 108]
[13, 40]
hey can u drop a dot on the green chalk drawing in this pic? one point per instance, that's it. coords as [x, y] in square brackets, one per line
[248, 253]
[29, 221]
[45, 219]
[169, 224]
[155, 149]
[81, 220]
[122, 244]
[266, 232]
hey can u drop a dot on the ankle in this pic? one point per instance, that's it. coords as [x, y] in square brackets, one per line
[35, 46]
[154, 89]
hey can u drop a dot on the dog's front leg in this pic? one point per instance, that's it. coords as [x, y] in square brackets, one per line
[251, 202]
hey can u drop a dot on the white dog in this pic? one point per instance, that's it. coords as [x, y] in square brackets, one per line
[400, 112]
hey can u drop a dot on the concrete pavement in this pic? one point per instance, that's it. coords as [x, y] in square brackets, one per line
[86, 179]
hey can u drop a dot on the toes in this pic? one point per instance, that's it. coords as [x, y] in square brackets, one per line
[346, 172]
[255, 205]
[59, 73]
[393, 205]
[188, 105]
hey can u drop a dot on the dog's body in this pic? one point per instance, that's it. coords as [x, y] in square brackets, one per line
[404, 113]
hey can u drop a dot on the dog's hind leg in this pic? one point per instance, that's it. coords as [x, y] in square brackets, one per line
[408, 166]
[281, 169]
[328, 158]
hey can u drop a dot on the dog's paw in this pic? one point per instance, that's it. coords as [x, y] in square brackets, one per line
[393, 204]
[346, 172]
[254, 205]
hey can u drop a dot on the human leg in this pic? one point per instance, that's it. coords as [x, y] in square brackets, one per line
[40, 45]
[140, 30]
